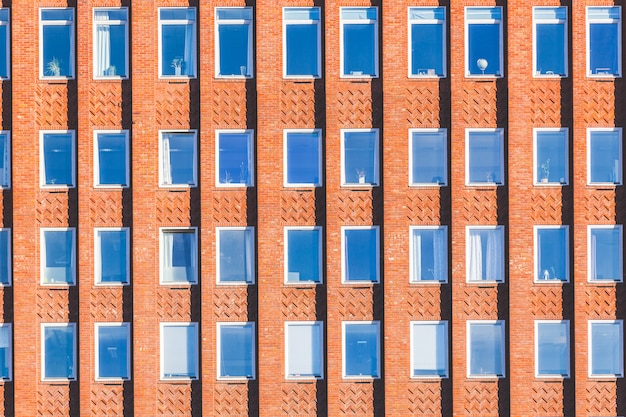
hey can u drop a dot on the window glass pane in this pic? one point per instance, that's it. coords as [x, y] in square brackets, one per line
[485, 157]
[113, 352]
[179, 351]
[552, 253]
[484, 43]
[485, 254]
[428, 157]
[360, 255]
[304, 350]
[430, 254]
[58, 163]
[178, 42]
[302, 42]
[234, 42]
[110, 43]
[4, 44]
[6, 352]
[179, 158]
[236, 351]
[606, 348]
[57, 14]
[604, 41]
[553, 349]
[605, 256]
[5, 257]
[236, 255]
[113, 256]
[361, 350]
[360, 157]
[303, 158]
[112, 159]
[551, 163]
[58, 352]
[5, 158]
[58, 256]
[486, 349]
[57, 39]
[427, 31]
[605, 156]
[303, 255]
[234, 158]
[550, 40]
[359, 49]
[179, 256]
[430, 349]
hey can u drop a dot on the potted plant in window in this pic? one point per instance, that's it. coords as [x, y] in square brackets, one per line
[545, 170]
[177, 64]
[110, 71]
[53, 67]
[361, 174]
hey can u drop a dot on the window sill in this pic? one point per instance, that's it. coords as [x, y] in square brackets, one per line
[59, 286]
[111, 79]
[301, 79]
[56, 188]
[484, 186]
[605, 378]
[484, 284]
[112, 381]
[428, 378]
[56, 80]
[59, 381]
[358, 77]
[178, 286]
[553, 184]
[486, 77]
[364, 379]
[358, 187]
[302, 285]
[301, 187]
[423, 185]
[233, 186]
[549, 76]
[303, 379]
[235, 379]
[604, 186]
[427, 283]
[235, 284]
[554, 282]
[233, 77]
[425, 77]
[604, 77]
[360, 284]
[604, 283]
[109, 285]
[551, 378]
[485, 378]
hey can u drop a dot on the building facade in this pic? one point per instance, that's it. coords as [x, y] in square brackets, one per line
[312, 207]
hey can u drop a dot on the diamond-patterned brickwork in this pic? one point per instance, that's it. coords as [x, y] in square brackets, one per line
[354, 106]
[53, 305]
[175, 400]
[174, 304]
[601, 398]
[545, 103]
[54, 400]
[423, 104]
[600, 207]
[230, 207]
[173, 208]
[231, 400]
[107, 400]
[298, 303]
[299, 399]
[52, 209]
[547, 302]
[297, 105]
[600, 302]
[425, 399]
[106, 104]
[106, 304]
[52, 104]
[480, 303]
[297, 207]
[229, 105]
[106, 208]
[480, 398]
[356, 399]
[423, 206]
[173, 105]
[547, 398]
[355, 207]
[547, 206]
[599, 102]
[480, 207]
[478, 103]
[231, 303]
[424, 302]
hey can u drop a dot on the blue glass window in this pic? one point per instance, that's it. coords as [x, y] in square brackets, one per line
[550, 41]
[58, 351]
[303, 162]
[111, 260]
[427, 31]
[112, 351]
[57, 43]
[233, 42]
[179, 350]
[552, 348]
[429, 254]
[179, 263]
[485, 156]
[361, 349]
[235, 255]
[304, 350]
[177, 54]
[5, 43]
[235, 155]
[110, 42]
[604, 153]
[485, 253]
[552, 253]
[551, 156]
[359, 42]
[486, 349]
[605, 253]
[235, 350]
[606, 348]
[5, 159]
[429, 349]
[483, 41]
[58, 256]
[303, 255]
[360, 157]
[604, 45]
[428, 156]
[178, 159]
[302, 42]
[57, 154]
[6, 352]
[6, 267]
[111, 159]
[360, 254]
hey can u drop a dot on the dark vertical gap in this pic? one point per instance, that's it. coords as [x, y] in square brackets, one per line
[253, 316]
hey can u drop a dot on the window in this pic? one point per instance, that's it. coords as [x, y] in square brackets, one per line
[605, 253]
[56, 43]
[359, 42]
[606, 348]
[551, 253]
[428, 246]
[58, 351]
[111, 158]
[604, 45]
[235, 255]
[178, 159]
[178, 254]
[361, 349]
[110, 37]
[485, 156]
[235, 156]
[303, 158]
[428, 157]
[233, 42]
[6, 267]
[177, 42]
[6, 352]
[551, 156]
[483, 41]
[5, 44]
[57, 158]
[552, 348]
[485, 254]
[58, 256]
[429, 349]
[485, 349]
[427, 41]
[303, 255]
[604, 156]
[550, 41]
[112, 351]
[304, 350]
[179, 351]
[5, 158]
[360, 254]
[112, 255]
[235, 350]
[302, 42]
[359, 157]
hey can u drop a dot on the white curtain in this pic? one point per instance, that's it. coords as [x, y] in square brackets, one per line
[248, 256]
[168, 249]
[440, 250]
[189, 57]
[594, 272]
[426, 358]
[475, 256]
[167, 165]
[304, 343]
[494, 262]
[417, 255]
[103, 43]
[179, 356]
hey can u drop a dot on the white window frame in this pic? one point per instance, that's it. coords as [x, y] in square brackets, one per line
[498, 228]
[96, 159]
[72, 23]
[318, 25]
[162, 154]
[366, 184]
[97, 327]
[43, 326]
[620, 251]
[536, 21]
[342, 23]
[9, 256]
[162, 375]
[250, 22]
[218, 354]
[7, 23]
[501, 324]
[537, 278]
[567, 360]
[286, 182]
[620, 340]
[319, 254]
[413, 256]
[440, 349]
[444, 180]
[42, 256]
[165, 22]
[97, 256]
[619, 46]
[344, 265]
[124, 23]
[536, 163]
[493, 183]
[499, 22]
[319, 348]
[618, 181]
[42, 159]
[344, 324]
[250, 138]
[434, 21]
[218, 231]
[9, 353]
[162, 266]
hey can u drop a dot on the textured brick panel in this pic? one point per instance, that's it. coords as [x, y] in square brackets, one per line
[356, 399]
[173, 105]
[53, 305]
[425, 399]
[600, 302]
[229, 105]
[297, 105]
[106, 208]
[51, 109]
[356, 302]
[54, 400]
[480, 207]
[424, 302]
[299, 399]
[547, 398]
[297, 207]
[231, 303]
[598, 103]
[423, 104]
[230, 207]
[480, 398]
[601, 398]
[355, 207]
[173, 208]
[424, 206]
[546, 206]
[545, 104]
[298, 303]
[106, 103]
[174, 400]
[107, 400]
[354, 106]
[174, 304]
[106, 304]
[477, 105]
[600, 207]
[480, 303]
[231, 400]
[52, 209]
[547, 302]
